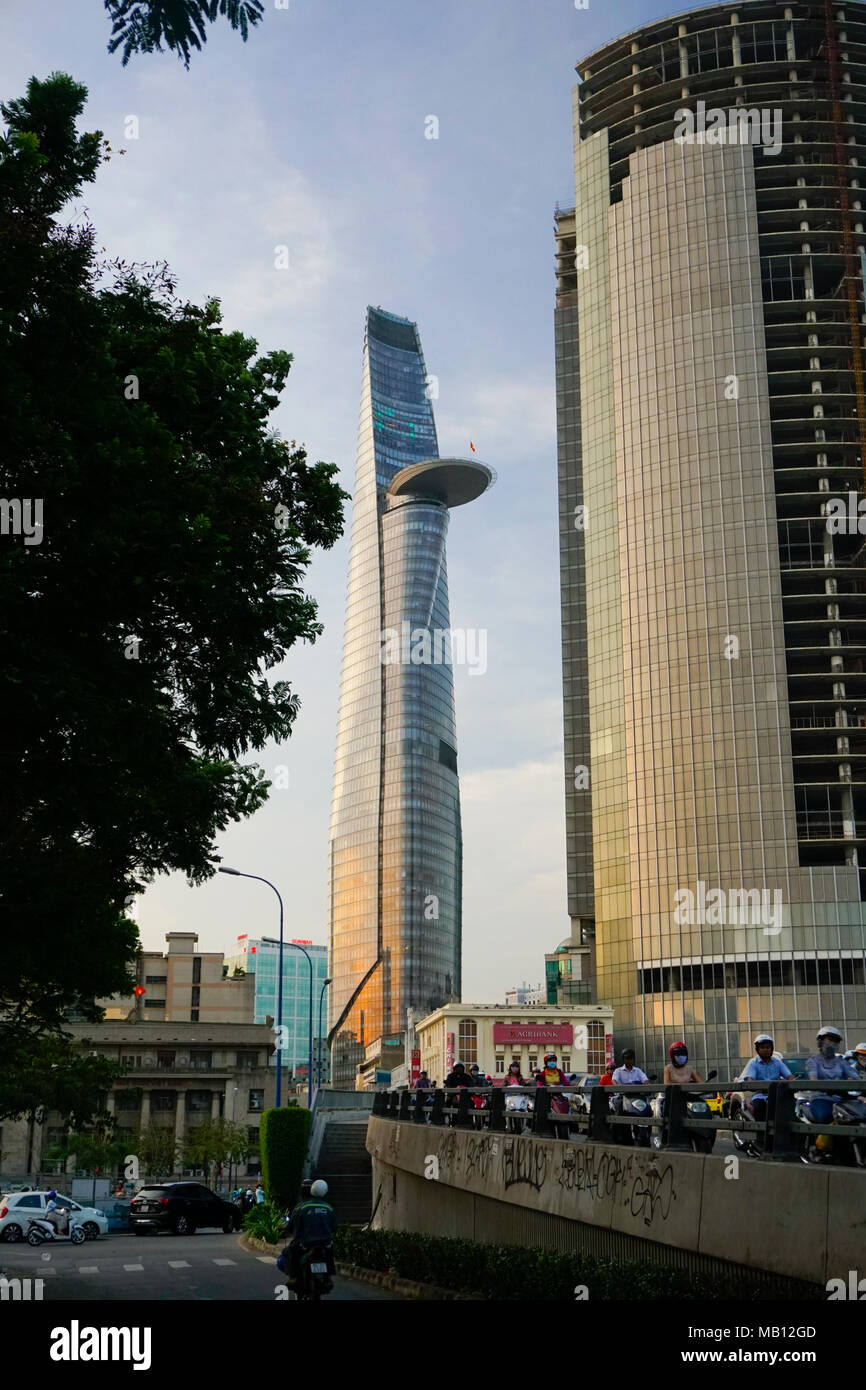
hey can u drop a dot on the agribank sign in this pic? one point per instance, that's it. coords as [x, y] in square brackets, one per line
[533, 1033]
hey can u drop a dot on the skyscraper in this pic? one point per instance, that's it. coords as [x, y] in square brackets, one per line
[712, 431]
[396, 844]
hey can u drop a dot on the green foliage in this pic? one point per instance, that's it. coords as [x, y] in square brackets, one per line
[142, 26]
[265, 1221]
[141, 630]
[214, 1142]
[519, 1272]
[156, 1149]
[99, 1147]
[52, 1072]
[283, 1138]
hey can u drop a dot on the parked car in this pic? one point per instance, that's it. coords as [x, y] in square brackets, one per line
[16, 1209]
[182, 1208]
[581, 1094]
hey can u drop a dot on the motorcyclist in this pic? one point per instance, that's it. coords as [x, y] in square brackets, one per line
[55, 1215]
[552, 1075]
[858, 1057]
[628, 1074]
[826, 1064]
[678, 1070]
[762, 1067]
[312, 1223]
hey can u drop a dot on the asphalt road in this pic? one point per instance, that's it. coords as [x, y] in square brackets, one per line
[117, 1267]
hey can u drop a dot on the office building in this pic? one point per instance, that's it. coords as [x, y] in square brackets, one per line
[396, 845]
[259, 960]
[712, 435]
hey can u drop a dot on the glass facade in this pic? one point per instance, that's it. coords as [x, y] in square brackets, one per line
[709, 347]
[262, 959]
[396, 846]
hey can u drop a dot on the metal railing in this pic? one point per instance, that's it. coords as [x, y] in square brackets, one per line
[776, 1135]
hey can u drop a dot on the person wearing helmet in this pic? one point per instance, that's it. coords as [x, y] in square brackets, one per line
[552, 1075]
[55, 1214]
[678, 1069]
[858, 1057]
[312, 1225]
[762, 1067]
[628, 1074]
[826, 1064]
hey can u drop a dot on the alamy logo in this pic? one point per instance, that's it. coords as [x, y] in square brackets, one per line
[21, 1290]
[846, 516]
[855, 1288]
[22, 518]
[739, 125]
[75, 1343]
[438, 646]
[738, 907]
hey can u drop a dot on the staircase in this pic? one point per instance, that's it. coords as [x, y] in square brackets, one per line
[347, 1168]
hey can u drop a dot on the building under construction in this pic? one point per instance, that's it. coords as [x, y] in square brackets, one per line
[712, 441]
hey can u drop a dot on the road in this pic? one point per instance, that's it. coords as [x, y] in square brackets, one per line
[117, 1267]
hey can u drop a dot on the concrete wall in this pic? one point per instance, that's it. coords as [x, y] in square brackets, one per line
[781, 1218]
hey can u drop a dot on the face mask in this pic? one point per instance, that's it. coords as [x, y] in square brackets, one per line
[828, 1050]
[680, 1059]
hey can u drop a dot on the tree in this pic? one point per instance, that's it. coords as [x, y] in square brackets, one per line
[142, 26]
[156, 1147]
[215, 1142]
[99, 1148]
[47, 1072]
[142, 618]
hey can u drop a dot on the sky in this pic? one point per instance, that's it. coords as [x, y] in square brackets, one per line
[313, 136]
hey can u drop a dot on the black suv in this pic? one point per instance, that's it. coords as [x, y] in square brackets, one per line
[180, 1207]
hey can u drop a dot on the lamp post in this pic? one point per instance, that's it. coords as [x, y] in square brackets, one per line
[325, 984]
[236, 873]
[231, 1155]
[297, 947]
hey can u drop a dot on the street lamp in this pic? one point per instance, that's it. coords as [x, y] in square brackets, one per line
[236, 873]
[325, 984]
[231, 1155]
[295, 946]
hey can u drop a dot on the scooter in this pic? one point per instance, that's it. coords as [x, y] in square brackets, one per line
[40, 1231]
[638, 1135]
[702, 1141]
[816, 1108]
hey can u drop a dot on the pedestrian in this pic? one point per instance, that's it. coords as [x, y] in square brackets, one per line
[260, 1193]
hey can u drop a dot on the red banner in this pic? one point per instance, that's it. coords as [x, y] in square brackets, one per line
[533, 1033]
[416, 1064]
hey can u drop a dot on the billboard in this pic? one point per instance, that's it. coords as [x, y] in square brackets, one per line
[562, 1033]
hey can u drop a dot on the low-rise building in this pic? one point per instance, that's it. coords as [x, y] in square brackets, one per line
[494, 1036]
[176, 1076]
[183, 985]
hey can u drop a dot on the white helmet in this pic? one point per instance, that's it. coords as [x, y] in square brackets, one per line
[319, 1188]
[763, 1038]
[829, 1033]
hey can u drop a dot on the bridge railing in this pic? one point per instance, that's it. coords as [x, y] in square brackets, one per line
[670, 1125]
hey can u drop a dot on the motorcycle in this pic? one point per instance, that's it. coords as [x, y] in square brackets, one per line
[314, 1273]
[516, 1107]
[637, 1135]
[40, 1231]
[702, 1141]
[816, 1108]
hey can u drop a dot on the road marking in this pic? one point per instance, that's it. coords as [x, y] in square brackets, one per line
[133, 1267]
[180, 1264]
[88, 1269]
[224, 1262]
[265, 1259]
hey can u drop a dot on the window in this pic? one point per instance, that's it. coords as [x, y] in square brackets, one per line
[248, 1061]
[201, 1061]
[131, 1061]
[31, 1199]
[467, 1042]
[154, 1003]
[198, 1101]
[253, 1134]
[500, 1064]
[165, 1060]
[533, 1063]
[566, 1064]
[156, 979]
[595, 1055]
[127, 1100]
[256, 1101]
[163, 1100]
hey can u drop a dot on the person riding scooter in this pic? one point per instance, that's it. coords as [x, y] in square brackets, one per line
[762, 1067]
[552, 1075]
[56, 1215]
[312, 1223]
[678, 1070]
[826, 1064]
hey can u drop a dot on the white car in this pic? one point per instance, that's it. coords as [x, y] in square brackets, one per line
[16, 1209]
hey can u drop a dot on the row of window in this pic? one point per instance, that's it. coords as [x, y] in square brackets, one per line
[166, 1060]
[196, 1101]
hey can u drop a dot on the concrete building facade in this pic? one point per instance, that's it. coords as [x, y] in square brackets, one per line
[494, 1036]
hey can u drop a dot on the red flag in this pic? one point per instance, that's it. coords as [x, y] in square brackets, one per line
[472, 446]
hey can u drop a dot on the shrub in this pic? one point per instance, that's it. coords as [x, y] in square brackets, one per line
[519, 1272]
[265, 1221]
[283, 1139]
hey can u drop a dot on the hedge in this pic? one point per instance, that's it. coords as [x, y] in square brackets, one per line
[283, 1138]
[518, 1272]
